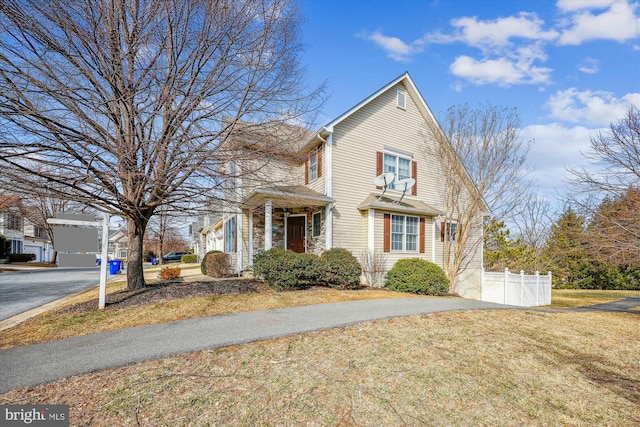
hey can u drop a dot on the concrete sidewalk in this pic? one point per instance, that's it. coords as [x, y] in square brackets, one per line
[50, 361]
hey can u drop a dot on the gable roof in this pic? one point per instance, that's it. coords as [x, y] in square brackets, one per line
[410, 86]
[423, 107]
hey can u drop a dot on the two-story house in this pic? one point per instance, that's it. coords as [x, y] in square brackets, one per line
[330, 192]
[12, 221]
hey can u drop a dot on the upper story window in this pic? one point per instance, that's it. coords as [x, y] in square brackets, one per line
[401, 99]
[313, 165]
[14, 221]
[399, 166]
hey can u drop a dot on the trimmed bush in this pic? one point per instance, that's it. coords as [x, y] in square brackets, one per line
[286, 270]
[217, 264]
[170, 273]
[203, 263]
[189, 259]
[417, 276]
[340, 269]
[22, 257]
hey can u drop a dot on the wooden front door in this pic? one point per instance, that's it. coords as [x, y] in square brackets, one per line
[296, 233]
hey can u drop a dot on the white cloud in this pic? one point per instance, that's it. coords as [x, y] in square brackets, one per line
[593, 108]
[395, 48]
[589, 65]
[556, 148]
[497, 33]
[501, 71]
[618, 22]
[571, 5]
[517, 67]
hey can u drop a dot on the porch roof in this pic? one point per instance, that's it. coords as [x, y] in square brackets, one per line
[406, 206]
[287, 196]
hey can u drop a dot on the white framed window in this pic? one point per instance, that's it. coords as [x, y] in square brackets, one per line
[14, 222]
[230, 235]
[449, 231]
[401, 99]
[16, 246]
[316, 225]
[404, 233]
[313, 165]
[398, 165]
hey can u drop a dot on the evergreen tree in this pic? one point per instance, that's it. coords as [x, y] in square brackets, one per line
[566, 251]
[501, 251]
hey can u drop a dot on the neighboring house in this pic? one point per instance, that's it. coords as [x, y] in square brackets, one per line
[36, 241]
[12, 221]
[207, 234]
[323, 194]
[118, 244]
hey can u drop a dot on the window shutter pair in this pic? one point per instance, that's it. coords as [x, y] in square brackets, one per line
[387, 234]
[414, 171]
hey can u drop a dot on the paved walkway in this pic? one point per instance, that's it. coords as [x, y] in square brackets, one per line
[50, 361]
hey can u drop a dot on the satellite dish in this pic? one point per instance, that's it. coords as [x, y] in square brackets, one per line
[404, 185]
[383, 180]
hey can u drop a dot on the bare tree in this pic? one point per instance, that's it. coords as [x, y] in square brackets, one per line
[163, 233]
[129, 105]
[483, 158]
[607, 189]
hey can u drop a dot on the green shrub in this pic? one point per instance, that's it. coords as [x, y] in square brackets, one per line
[340, 269]
[5, 247]
[417, 276]
[189, 259]
[22, 257]
[203, 263]
[286, 270]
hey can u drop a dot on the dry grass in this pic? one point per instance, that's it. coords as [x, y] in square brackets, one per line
[458, 368]
[572, 298]
[60, 324]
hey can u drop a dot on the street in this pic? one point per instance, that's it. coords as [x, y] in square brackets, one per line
[23, 290]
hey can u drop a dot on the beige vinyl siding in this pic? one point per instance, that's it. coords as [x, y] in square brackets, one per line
[357, 139]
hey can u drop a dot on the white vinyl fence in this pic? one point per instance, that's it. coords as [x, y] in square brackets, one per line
[516, 289]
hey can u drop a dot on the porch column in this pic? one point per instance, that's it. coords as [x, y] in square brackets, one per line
[371, 232]
[250, 261]
[268, 228]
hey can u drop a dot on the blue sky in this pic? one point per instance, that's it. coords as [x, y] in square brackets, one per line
[570, 67]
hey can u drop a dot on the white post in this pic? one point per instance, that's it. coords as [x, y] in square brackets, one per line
[506, 284]
[268, 227]
[537, 288]
[250, 262]
[550, 286]
[103, 262]
[522, 288]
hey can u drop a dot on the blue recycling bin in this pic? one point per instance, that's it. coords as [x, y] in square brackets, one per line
[153, 261]
[99, 261]
[114, 266]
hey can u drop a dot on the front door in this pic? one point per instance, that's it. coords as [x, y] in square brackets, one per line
[296, 233]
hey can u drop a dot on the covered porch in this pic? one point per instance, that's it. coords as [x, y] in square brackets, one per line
[288, 217]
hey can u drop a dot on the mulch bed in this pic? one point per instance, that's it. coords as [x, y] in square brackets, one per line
[170, 290]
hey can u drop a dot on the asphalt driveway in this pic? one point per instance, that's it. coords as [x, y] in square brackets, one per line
[23, 290]
[50, 361]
